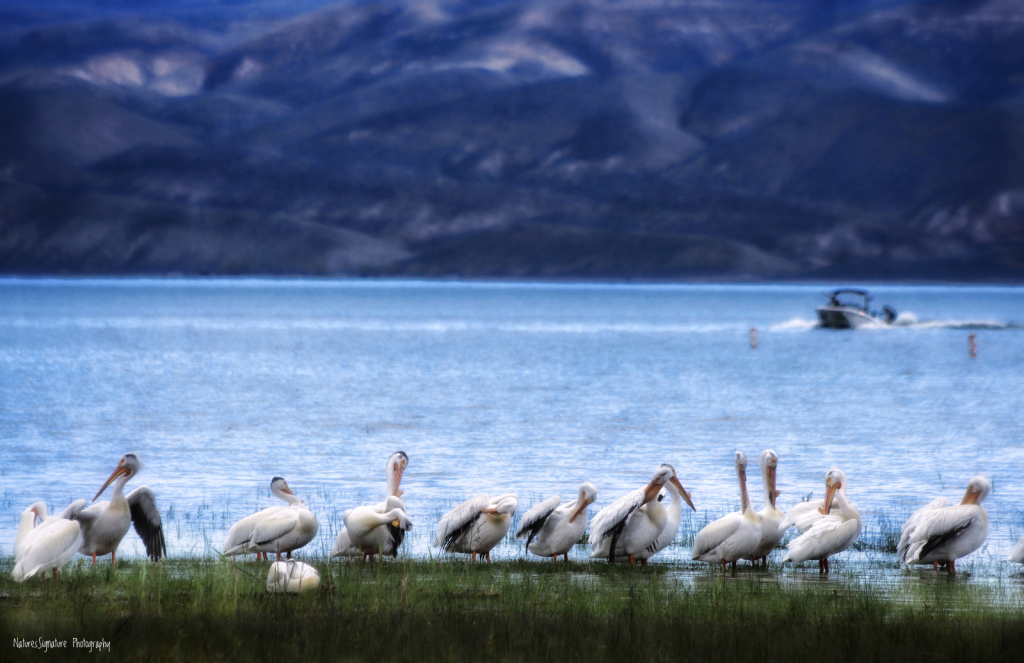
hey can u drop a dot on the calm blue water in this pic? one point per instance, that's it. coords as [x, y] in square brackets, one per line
[220, 385]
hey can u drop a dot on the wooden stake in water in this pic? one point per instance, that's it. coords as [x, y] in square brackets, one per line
[753, 338]
[972, 346]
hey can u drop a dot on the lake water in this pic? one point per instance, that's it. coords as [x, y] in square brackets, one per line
[220, 385]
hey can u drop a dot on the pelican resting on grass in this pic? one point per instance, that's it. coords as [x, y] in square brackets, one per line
[732, 537]
[476, 525]
[292, 577]
[105, 524]
[551, 530]
[284, 530]
[240, 535]
[44, 547]
[770, 516]
[943, 534]
[834, 530]
[375, 533]
[395, 468]
[1017, 554]
[635, 522]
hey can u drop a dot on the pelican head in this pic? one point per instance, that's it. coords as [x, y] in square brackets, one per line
[588, 493]
[128, 466]
[399, 519]
[279, 485]
[978, 489]
[663, 475]
[38, 511]
[741, 465]
[506, 504]
[769, 461]
[835, 481]
[396, 467]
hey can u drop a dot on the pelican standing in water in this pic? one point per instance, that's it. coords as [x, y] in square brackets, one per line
[394, 470]
[835, 529]
[732, 537]
[105, 524]
[44, 547]
[553, 529]
[240, 534]
[770, 516]
[943, 534]
[285, 530]
[635, 522]
[476, 525]
[292, 576]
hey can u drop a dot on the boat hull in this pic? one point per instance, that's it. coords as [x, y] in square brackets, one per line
[842, 317]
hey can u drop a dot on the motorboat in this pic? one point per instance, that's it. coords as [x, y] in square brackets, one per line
[848, 309]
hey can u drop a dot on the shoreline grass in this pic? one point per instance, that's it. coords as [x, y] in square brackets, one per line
[188, 609]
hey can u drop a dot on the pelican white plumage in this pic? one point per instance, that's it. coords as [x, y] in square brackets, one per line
[375, 533]
[835, 529]
[556, 529]
[293, 577]
[394, 470]
[105, 524]
[943, 534]
[1017, 554]
[284, 531]
[44, 547]
[734, 536]
[240, 534]
[634, 522]
[476, 525]
[770, 516]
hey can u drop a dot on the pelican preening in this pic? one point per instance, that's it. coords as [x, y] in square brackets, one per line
[735, 536]
[375, 533]
[551, 530]
[833, 530]
[476, 525]
[635, 522]
[44, 547]
[240, 534]
[292, 576]
[105, 524]
[388, 540]
[770, 516]
[284, 531]
[943, 534]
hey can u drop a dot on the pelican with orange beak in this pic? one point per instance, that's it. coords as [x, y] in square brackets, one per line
[734, 536]
[105, 524]
[940, 534]
[343, 543]
[551, 530]
[240, 534]
[770, 516]
[834, 531]
[476, 525]
[635, 522]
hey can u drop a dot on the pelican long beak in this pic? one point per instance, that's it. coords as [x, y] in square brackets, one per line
[490, 509]
[118, 471]
[771, 483]
[651, 491]
[830, 492]
[971, 497]
[583, 507]
[399, 470]
[286, 489]
[686, 495]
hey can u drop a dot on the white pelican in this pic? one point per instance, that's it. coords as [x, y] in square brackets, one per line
[943, 534]
[394, 470]
[835, 530]
[106, 523]
[556, 529]
[734, 536]
[45, 547]
[375, 533]
[634, 522]
[292, 576]
[240, 534]
[1017, 554]
[284, 530]
[476, 525]
[770, 516]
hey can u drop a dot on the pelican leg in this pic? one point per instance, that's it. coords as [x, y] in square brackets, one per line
[632, 560]
[113, 558]
[935, 566]
[821, 566]
[764, 560]
[94, 560]
[643, 562]
[566, 557]
[734, 567]
[474, 556]
[279, 555]
[724, 565]
[488, 556]
[289, 554]
[951, 565]
[554, 558]
[827, 565]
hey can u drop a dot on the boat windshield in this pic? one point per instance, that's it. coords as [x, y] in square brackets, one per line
[851, 298]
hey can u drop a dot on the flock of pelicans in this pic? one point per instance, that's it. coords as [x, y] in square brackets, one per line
[635, 527]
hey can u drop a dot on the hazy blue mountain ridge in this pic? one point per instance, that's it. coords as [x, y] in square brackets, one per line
[715, 139]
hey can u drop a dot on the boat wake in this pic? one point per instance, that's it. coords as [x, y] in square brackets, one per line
[907, 320]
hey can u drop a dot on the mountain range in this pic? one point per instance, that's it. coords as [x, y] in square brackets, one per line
[735, 140]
